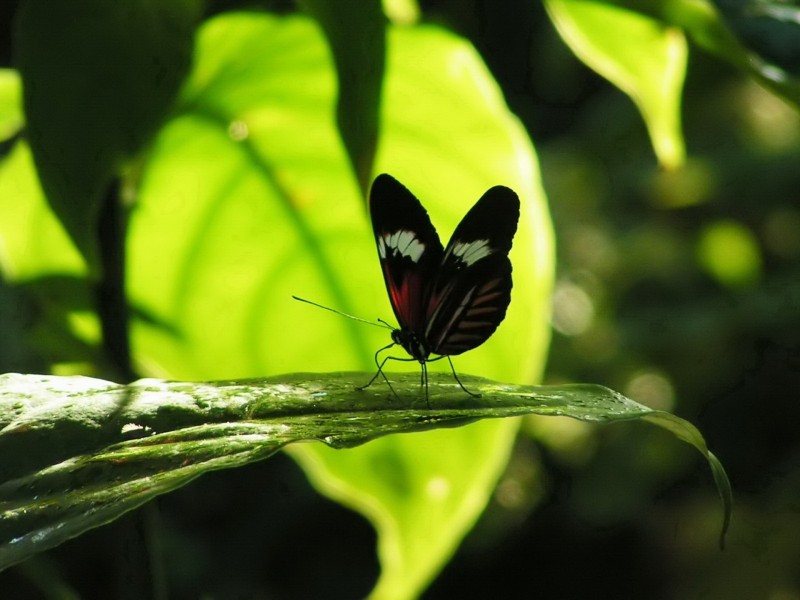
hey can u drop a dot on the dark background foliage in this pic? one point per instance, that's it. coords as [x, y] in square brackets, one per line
[612, 522]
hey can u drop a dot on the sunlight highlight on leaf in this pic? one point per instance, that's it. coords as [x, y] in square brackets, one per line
[642, 57]
[11, 116]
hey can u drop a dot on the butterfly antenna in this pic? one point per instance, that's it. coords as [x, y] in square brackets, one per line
[381, 323]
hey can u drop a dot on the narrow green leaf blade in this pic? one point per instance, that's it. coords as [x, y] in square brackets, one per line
[688, 433]
[703, 24]
[641, 56]
[102, 449]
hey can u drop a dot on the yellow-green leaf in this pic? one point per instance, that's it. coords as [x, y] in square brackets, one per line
[643, 57]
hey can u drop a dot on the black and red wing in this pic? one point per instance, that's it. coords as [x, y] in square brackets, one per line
[408, 247]
[471, 291]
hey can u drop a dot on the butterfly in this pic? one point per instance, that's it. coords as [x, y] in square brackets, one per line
[447, 300]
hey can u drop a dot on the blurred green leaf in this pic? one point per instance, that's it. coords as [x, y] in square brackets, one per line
[95, 91]
[702, 23]
[422, 493]
[730, 253]
[34, 243]
[402, 12]
[11, 117]
[356, 32]
[37, 255]
[769, 29]
[641, 56]
[77, 452]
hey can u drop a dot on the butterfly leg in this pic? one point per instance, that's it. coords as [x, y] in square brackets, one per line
[380, 371]
[424, 381]
[380, 364]
[453, 369]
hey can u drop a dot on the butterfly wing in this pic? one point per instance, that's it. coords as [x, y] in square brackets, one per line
[408, 247]
[471, 291]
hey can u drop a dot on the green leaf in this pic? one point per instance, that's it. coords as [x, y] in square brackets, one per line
[730, 253]
[34, 242]
[359, 68]
[37, 254]
[77, 452]
[11, 117]
[640, 55]
[702, 23]
[771, 29]
[421, 492]
[95, 91]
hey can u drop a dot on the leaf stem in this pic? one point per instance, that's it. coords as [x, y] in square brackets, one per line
[112, 305]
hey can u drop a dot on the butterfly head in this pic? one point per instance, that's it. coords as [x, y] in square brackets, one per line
[415, 345]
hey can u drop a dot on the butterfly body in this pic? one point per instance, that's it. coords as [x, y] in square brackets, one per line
[447, 300]
[410, 342]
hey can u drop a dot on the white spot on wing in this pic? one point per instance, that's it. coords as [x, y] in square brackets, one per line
[472, 252]
[402, 242]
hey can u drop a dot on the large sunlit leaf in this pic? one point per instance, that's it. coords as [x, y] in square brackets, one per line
[76, 452]
[640, 55]
[98, 77]
[34, 244]
[248, 198]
